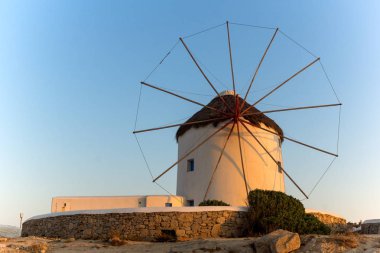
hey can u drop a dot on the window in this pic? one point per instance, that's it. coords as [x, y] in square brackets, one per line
[279, 167]
[168, 204]
[190, 202]
[190, 165]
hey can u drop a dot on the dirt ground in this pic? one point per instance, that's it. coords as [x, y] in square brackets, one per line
[310, 243]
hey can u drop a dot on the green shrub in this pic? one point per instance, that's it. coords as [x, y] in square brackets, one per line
[271, 210]
[314, 226]
[213, 202]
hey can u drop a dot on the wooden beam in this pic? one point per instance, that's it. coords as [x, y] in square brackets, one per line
[204, 75]
[281, 84]
[241, 158]
[290, 139]
[257, 69]
[230, 52]
[179, 96]
[292, 109]
[219, 159]
[181, 124]
[274, 160]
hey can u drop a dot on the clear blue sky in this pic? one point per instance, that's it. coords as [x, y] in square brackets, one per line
[69, 75]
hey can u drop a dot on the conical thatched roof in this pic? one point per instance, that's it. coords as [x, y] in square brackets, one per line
[206, 113]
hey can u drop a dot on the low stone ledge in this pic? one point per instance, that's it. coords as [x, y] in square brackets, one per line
[141, 226]
[332, 221]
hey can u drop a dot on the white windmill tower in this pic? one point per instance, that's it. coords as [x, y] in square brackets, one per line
[229, 147]
[218, 170]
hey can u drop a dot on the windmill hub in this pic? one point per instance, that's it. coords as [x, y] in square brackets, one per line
[227, 92]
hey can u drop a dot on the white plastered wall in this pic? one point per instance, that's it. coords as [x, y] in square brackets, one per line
[159, 201]
[64, 204]
[228, 181]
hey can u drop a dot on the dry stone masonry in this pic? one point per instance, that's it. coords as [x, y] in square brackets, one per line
[140, 226]
[370, 228]
[334, 222]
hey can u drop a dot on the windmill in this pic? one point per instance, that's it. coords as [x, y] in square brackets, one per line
[230, 147]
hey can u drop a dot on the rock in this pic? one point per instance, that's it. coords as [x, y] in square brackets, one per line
[71, 239]
[37, 247]
[180, 232]
[279, 241]
[332, 243]
[165, 224]
[373, 251]
[165, 218]
[195, 227]
[174, 224]
[221, 220]
[116, 241]
[204, 235]
[87, 234]
[185, 217]
[144, 232]
[215, 230]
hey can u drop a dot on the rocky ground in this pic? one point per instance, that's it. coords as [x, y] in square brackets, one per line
[309, 243]
[9, 231]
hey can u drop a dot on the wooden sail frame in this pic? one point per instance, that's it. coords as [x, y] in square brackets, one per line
[235, 116]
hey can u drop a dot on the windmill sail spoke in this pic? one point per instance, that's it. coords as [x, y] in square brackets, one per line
[293, 109]
[228, 116]
[176, 125]
[281, 84]
[257, 69]
[219, 159]
[192, 150]
[231, 64]
[274, 160]
[241, 158]
[204, 75]
[179, 96]
[292, 140]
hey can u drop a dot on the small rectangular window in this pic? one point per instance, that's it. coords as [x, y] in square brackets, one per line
[168, 204]
[190, 202]
[279, 167]
[190, 165]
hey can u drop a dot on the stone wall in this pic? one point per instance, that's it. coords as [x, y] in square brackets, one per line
[139, 225]
[370, 228]
[334, 222]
